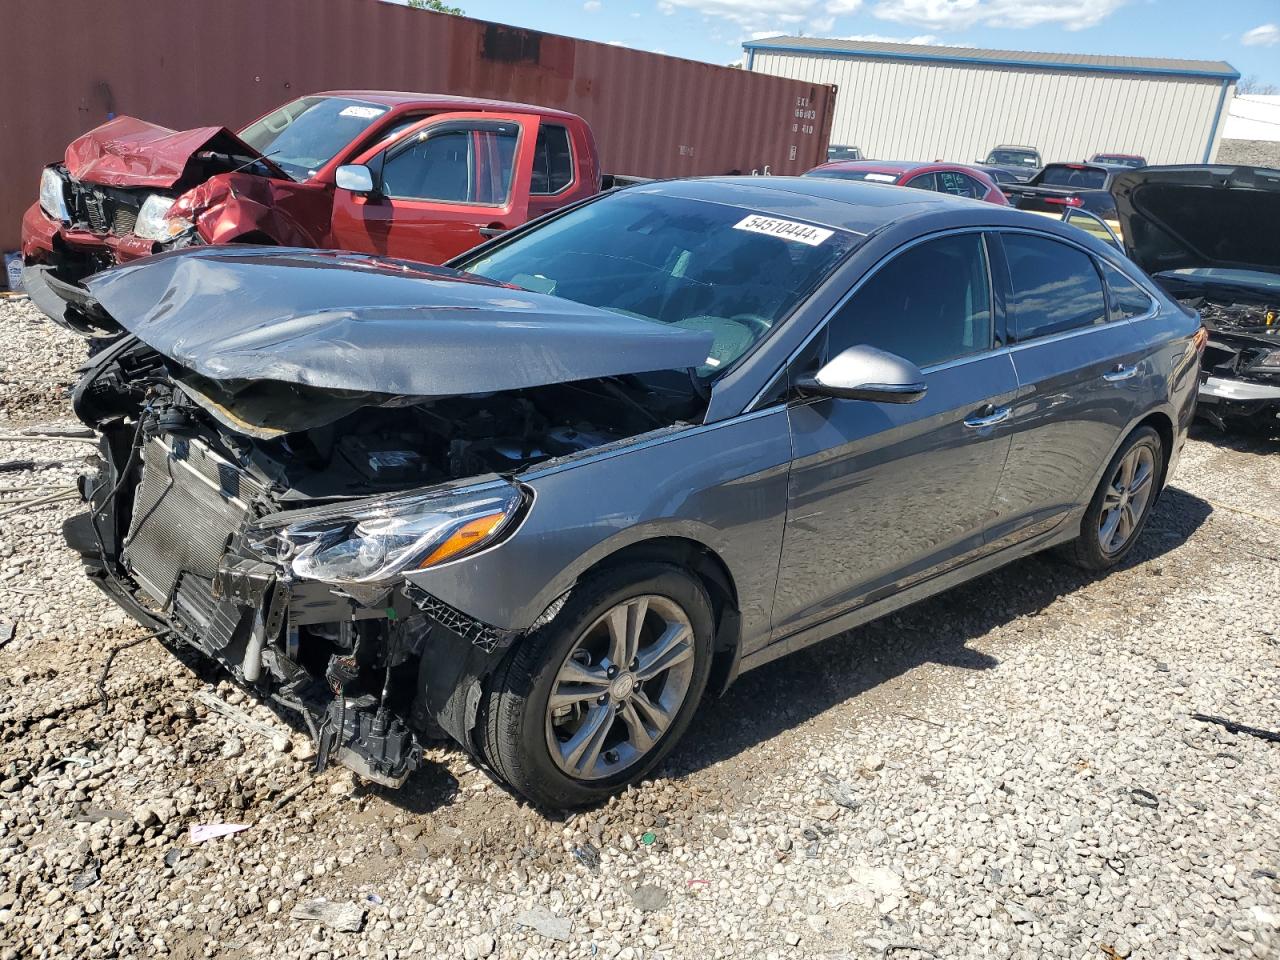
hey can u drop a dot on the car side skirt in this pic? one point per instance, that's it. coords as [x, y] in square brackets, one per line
[1068, 529]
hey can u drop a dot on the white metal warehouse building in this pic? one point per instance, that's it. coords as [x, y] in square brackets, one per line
[900, 101]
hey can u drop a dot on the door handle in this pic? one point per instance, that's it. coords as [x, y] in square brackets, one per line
[1120, 372]
[492, 231]
[988, 416]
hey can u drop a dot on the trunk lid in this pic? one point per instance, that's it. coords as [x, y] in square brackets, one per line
[279, 339]
[1187, 217]
[127, 152]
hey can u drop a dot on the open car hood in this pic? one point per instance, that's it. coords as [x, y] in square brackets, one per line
[1214, 216]
[127, 152]
[272, 340]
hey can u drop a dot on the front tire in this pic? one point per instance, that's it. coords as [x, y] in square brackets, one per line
[1121, 504]
[596, 697]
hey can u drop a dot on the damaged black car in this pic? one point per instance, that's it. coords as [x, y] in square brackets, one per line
[541, 500]
[1209, 236]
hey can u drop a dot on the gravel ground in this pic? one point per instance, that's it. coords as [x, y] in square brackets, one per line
[1008, 770]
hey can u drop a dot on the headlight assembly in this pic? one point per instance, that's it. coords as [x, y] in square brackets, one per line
[154, 222]
[52, 199]
[375, 542]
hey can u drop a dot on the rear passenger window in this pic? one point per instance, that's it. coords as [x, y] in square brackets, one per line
[1127, 298]
[929, 304]
[552, 160]
[1055, 287]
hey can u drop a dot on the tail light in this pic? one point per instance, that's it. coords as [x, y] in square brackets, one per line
[1065, 201]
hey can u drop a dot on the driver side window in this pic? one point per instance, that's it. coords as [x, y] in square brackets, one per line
[929, 304]
[454, 165]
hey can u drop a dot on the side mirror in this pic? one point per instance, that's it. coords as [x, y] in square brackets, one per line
[865, 373]
[355, 177]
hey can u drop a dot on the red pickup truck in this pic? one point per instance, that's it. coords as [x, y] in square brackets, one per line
[409, 175]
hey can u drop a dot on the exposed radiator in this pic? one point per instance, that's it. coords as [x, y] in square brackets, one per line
[189, 505]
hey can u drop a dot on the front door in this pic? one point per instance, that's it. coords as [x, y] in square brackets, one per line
[445, 185]
[885, 494]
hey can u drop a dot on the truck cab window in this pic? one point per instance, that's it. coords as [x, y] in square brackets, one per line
[552, 160]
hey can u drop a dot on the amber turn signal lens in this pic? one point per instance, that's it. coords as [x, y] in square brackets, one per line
[1201, 338]
[464, 538]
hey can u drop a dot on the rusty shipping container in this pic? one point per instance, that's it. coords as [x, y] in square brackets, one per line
[69, 67]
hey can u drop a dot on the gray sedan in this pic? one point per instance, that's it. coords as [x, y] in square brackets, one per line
[546, 499]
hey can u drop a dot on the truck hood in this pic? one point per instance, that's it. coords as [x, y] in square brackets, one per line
[1210, 216]
[127, 152]
[273, 339]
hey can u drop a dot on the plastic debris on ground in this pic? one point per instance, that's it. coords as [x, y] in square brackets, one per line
[200, 832]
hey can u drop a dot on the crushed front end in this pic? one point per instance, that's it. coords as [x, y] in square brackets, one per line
[1240, 379]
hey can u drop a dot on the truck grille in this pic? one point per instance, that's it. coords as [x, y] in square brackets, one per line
[104, 209]
[189, 505]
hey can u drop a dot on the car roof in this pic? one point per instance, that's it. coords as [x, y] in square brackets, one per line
[442, 101]
[1014, 146]
[856, 206]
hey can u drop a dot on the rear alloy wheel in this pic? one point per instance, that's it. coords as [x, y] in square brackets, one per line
[1121, 504]
[594, 699]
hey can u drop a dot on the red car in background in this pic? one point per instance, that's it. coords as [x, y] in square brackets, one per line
[953, 178]
[411, 175]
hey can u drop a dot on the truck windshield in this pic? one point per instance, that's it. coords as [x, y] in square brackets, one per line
[702, 266]
[1072, 175]
[302, 136]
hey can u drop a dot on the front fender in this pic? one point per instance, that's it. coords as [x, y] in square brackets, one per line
[721, 485]
[232, 206]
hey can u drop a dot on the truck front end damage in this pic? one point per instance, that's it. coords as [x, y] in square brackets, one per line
[273, 524]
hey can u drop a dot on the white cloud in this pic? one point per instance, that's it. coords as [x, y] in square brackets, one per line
[841, 7]
[1267, 35]
[962, 14]
[591, 5]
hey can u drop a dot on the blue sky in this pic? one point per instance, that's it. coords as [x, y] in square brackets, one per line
[1245, 33]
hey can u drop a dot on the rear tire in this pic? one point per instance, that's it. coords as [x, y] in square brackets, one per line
[1121, 504]
[611, 726]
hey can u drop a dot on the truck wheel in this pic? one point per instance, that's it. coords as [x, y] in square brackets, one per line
[593, 699]
[1121, 504]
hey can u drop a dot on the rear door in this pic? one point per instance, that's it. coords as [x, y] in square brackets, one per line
[883, 494]
[445, 185]
[1081, 371]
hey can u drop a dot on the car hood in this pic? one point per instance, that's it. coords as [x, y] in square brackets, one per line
[127, 152]
[275, 339]
[1184, 217]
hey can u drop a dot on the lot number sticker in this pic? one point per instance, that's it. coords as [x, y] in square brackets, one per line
[786, 229]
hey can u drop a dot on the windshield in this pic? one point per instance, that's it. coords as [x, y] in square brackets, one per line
[1081, 178]
[688, 263]
[837, 174]
[1119, 160]
[1015, 158]
[844, 153]
[302, 136]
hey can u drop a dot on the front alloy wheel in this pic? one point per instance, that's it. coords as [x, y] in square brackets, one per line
[620, 687]
[593, 699]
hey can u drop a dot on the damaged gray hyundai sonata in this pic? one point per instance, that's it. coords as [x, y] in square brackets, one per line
[543, 499]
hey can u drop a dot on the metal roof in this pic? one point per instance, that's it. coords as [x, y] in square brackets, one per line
[1216, 69]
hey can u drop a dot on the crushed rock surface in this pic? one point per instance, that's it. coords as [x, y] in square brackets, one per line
[1007, 770]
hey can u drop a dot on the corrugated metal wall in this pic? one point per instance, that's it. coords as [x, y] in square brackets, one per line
[906, 110]
[185, 63]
